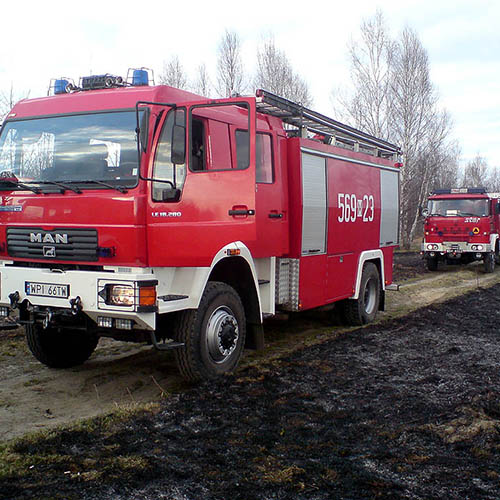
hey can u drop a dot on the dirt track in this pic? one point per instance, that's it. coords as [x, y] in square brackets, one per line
[403, 409]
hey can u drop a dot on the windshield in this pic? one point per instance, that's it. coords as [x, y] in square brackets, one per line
[459, 207]
[90, 147]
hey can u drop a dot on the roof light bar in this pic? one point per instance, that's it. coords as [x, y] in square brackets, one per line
[95, 82]
[136, 77]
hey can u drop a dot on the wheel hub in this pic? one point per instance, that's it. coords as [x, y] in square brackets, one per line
[222, 334]
[370, 297]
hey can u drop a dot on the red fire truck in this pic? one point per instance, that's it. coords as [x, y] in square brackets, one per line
[148, 214]
[461, 226]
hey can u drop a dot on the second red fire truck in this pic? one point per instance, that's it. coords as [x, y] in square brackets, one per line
[148, 214]
[461, 226]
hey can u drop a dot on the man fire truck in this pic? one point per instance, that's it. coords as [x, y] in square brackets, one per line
[461, 226]
[148, 214]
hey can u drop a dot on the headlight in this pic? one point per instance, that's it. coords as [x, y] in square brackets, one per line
[432, 246]
[120, 295]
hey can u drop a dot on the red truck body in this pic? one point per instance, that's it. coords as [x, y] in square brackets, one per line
[147, 213]
[461, 226]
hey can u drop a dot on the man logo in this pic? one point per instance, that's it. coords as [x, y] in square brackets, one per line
[49, 238]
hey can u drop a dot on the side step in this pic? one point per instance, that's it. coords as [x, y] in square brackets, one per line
[393, 287]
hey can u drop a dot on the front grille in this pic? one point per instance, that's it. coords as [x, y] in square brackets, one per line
[59, 244]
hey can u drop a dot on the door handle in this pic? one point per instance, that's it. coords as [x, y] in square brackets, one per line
[241, 211]
[275, 215]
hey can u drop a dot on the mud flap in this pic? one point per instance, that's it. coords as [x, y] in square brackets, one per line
[255, 336]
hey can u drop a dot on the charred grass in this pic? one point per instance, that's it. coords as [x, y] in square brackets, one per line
[408, 408]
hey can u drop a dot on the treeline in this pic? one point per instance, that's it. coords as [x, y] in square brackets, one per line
[390, 95]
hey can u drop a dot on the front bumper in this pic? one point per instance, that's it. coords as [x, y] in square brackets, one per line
[81, 291]
[455, 247]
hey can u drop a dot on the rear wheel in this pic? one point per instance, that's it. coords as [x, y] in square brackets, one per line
[213, 335]
[364, 309]
[60, 348]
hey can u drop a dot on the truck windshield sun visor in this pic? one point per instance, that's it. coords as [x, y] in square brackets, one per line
[70, 152]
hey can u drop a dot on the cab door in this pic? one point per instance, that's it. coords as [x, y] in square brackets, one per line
[271, 197]
[200, 201]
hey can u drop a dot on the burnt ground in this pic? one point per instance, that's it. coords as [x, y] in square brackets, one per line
[408, 408]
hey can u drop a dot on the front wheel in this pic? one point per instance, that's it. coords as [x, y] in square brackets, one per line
[213, 335]
[489, 262]
[364, 309]
[432, 263]
[60, 348]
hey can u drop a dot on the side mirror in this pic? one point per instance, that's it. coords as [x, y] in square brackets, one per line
[170, 194]
[424, 212]
[178, 155]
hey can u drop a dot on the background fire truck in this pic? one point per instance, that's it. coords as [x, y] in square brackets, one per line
[461, 226]
[148, 214]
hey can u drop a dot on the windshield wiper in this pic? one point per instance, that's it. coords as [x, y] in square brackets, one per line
[100, 183]
[62, 185]
[13, 181]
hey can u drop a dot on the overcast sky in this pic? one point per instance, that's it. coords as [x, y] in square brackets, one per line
[44, 40]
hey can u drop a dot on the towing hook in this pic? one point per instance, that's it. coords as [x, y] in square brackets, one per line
[76, 305]
[14, 300]
[47, 319]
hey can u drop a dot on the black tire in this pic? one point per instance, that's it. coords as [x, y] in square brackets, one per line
[213, 335]
[364, 309]
[60, 348]
[432, 263]
[489, 262]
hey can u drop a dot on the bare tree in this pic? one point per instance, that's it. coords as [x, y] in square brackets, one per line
[202, 85]
[8, 100]
[419, 126]
[448, 173]
[230, 74]
[368, 105]
[275, 73]
[493, 183]
[395, 99]
[476, 172]
[173, 74]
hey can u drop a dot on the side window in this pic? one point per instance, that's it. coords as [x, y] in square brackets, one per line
[242, 152]
[198, 157]
[210, 146]
[264, 171]
[264, 159]
[163, 168]
[219, 151]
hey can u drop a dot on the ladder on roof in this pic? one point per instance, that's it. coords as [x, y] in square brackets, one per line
[334, 132]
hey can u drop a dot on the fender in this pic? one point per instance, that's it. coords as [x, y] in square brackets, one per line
[493, 241]
[363, 257]
[187, 284]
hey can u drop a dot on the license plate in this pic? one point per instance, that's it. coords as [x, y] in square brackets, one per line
[47, 290]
